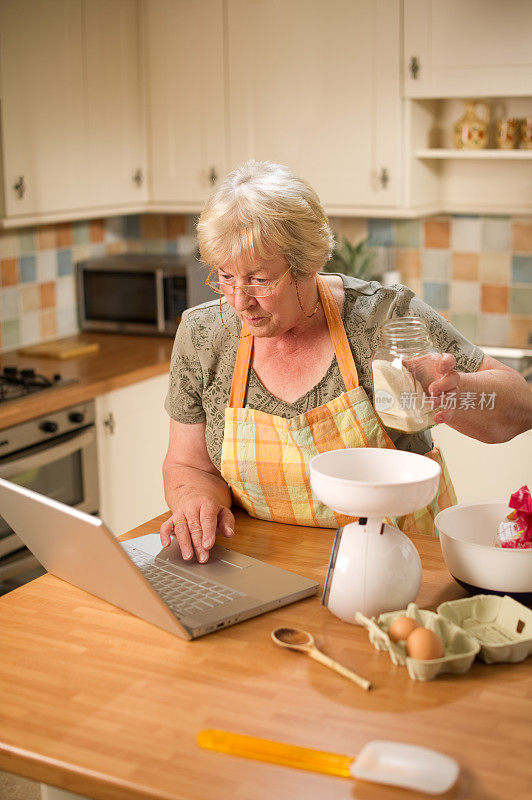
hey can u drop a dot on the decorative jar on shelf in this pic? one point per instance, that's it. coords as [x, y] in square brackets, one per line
[471, 131]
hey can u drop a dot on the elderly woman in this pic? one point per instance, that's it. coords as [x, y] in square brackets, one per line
[277, 368]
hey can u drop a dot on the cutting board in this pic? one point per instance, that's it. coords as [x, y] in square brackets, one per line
[60, 350]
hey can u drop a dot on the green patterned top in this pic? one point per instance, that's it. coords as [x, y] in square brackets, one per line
[204, 355]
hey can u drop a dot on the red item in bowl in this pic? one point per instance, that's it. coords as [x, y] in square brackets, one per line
[516, 530]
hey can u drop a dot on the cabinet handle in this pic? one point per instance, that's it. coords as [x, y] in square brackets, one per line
[138, 177]
[384, 178]
[414, 67]
[213, 176]
[109, 423]
[20, 187]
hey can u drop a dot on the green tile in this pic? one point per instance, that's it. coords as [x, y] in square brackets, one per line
[467, 324]
[27, 241]
[11, 333]
[154, 246]
[521, 299]
[81, 232]
[408, 233]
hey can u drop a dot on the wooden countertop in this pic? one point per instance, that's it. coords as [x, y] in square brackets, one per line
[101, 703]
[120, 361]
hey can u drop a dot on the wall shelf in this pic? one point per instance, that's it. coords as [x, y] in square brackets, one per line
[473, 155]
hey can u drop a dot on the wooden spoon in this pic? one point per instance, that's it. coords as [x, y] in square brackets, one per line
[296, 639]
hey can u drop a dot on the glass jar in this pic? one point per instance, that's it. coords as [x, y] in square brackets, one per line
[403, 367]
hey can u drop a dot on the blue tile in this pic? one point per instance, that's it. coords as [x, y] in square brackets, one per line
[65, 265]
[522, 269]
[381, 232]
[436, 295]
[436, 263]
[132, 226]
[171, 248]
[27, 269]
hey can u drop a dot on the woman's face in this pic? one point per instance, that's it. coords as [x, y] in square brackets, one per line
[274, 315]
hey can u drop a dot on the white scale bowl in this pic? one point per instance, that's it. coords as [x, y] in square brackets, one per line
[373, 481]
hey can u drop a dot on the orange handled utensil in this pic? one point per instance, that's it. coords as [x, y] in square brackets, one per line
[380, 761]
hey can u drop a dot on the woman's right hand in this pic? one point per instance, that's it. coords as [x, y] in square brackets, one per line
[195, 523]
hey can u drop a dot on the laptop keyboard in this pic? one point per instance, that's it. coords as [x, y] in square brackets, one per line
[183, 596]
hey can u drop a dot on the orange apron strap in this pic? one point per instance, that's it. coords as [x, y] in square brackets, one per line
[339, 338]
[240, 374]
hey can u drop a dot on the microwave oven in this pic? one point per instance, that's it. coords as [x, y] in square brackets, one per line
[141, 294]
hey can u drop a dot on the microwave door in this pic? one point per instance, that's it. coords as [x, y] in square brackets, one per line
[125, 301]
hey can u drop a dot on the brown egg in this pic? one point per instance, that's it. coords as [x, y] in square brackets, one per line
[424, 645]
[401, 628]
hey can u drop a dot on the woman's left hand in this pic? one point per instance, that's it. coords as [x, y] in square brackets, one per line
[445, 383]
[440, 381]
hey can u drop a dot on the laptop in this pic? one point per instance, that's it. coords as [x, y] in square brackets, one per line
[185, 598]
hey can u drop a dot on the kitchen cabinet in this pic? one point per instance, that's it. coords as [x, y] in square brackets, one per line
[115, 111]
[132, 429]
[72, 113]
[316, 86]
[483, 472]
[465, 49]
[462, 48]
[186, 100]
[41, 74]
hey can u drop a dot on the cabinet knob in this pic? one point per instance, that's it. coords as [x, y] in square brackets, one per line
[414, 67]
[49, 426]
[384, 178]
[110, 423]
[20, 187]
[213, 176]
[138, 177]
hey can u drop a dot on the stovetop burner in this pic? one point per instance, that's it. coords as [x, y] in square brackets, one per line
[15, 383]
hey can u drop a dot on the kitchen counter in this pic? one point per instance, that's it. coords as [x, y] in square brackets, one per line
[120, 361]
[101, 703]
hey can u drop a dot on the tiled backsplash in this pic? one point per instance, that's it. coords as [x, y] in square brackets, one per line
[37, 284]
[476, 271]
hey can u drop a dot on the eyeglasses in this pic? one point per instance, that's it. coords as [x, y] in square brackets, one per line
[251, 289]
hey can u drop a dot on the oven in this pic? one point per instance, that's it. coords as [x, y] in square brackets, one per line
[54, 455]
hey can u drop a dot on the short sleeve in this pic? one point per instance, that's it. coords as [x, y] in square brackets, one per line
[184, 401]
[444, 335]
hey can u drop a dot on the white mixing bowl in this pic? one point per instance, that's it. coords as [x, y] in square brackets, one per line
[373, 481]
[467, 532]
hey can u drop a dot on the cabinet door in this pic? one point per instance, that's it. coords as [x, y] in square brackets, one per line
[116, 153]
[132, 435]
[41, 73]
[467, 47]
[315, 86]
[186, 98]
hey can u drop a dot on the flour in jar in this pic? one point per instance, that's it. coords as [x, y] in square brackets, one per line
[399, 398]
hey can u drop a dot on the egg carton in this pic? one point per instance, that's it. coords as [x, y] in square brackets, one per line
[502, 625]
[460, 647]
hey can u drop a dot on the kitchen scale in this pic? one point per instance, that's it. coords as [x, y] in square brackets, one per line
[374, 567]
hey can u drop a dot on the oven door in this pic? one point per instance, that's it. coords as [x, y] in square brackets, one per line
[64, 469]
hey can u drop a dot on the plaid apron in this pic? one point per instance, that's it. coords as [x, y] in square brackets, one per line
[264, 457]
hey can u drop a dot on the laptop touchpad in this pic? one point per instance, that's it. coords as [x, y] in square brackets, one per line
[219, 557]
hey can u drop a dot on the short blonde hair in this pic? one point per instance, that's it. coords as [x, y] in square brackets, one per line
[262, 210]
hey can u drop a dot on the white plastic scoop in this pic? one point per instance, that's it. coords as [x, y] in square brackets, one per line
[380, 761]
